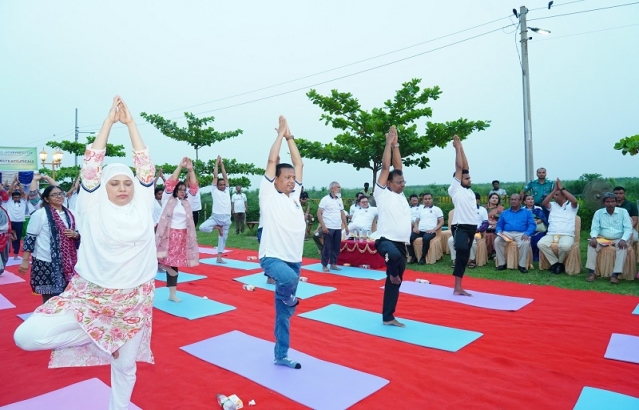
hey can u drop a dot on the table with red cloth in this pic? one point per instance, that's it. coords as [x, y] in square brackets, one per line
[359, 253]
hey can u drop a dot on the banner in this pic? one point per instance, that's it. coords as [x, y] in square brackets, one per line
[18, 159]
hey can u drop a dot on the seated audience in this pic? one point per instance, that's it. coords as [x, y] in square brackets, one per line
[429, 219]
[413, 201]
[362, 220]
[355, 206]
[494, 210]
[629, 206]
[540, 220]
[482, 224]
[514, 224]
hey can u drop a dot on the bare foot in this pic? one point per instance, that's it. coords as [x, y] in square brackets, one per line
[220, 260]
[461, 292]
[335, 267]
[116, 354]
[175, 299]
[270, 281]
[15, 258]
[394, 322]
[324, 268]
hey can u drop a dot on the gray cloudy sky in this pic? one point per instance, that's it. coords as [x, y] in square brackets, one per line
[172, 56]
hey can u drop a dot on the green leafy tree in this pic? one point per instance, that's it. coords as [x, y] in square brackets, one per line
[362, 137]
[78, 148]
[236, 171]
[628, 145]
[196, 133]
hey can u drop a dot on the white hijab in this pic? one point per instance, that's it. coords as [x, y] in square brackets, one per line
[118, 243]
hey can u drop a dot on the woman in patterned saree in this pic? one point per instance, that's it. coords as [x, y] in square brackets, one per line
[104, 315]
[52, 240]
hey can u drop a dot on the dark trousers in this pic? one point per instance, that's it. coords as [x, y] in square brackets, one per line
[171, 280]
[17, 227]
[463, 236]
[426, 238]
[332, 242]
[394, 253]
[240, 219]
[196, 217]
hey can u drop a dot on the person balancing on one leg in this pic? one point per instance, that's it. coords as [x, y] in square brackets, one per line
[464, 222]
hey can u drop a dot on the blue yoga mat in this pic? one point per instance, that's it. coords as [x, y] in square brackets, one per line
[232, 263]
[349, 271]
[597, 399]
[183, 277]
[191, 307]
[636, 311]
[317, 385]
[417, 333]
[305, 290]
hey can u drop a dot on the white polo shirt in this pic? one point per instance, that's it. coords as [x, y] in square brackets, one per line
[414, 212]
[428, 217]
[561, 220]
[221, 201]
[363, 217]
[195, 201]
[332, 208]
[282, 220]
[394, 221]
[464, 202]
[238, 202]
[482, 215]
[17, 210]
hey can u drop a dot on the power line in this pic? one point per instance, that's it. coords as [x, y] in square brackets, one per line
[587, 32]
[586, 11]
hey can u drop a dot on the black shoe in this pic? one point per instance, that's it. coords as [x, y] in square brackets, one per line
[556, 269]
[501, 267]
[523, 270]
[421, 262]
[562, 268]
[412, 261]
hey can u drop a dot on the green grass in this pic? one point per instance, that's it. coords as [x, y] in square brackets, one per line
[248, 240]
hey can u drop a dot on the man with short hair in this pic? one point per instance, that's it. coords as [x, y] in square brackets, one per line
[629, 206]
[354, 206]
[561, 226]
[363, 217]
[514, 224]
[393, 228]
[282, 241]
[540, 187]
[482, 225]
[17, 208]
[239, 208]
[611, 226]
[429, 220]
[414, 207]
[220, 219]
[497, 190]
[331, 216]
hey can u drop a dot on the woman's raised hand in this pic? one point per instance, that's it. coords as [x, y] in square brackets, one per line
[125, 115]
[114, 112]
[188, 164]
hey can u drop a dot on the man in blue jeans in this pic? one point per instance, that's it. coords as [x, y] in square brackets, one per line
[282, 241]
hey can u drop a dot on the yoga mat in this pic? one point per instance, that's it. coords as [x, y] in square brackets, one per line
[25, 316]
[8, 277]
[305, 290]
[5, 304]
[212, 251]
[597, 399]
[349, 271]
[479, 299]
[623, 347]
[417, 333]
[636, 311]
[232, 263]
[183, 277]
[14, 262]
[191, 307]
[318, 384]
[92, 393]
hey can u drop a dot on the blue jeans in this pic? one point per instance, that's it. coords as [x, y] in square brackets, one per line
[286, 276]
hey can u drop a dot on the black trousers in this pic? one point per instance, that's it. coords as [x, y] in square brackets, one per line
[426, 238]
[463, 236]
[394, 254]
[332, 241]
[196, 217]
[171, 280]
[18, 227]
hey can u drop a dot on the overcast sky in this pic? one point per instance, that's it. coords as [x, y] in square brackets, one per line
[174, 56]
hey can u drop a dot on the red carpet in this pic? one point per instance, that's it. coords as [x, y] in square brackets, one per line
[538, 357]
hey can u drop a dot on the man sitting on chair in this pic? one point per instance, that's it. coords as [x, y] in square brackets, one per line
[482, 224]
[610, 227]
[561, 226]
[514, 224]
[429, 219]
[363, 217]
[629, 206]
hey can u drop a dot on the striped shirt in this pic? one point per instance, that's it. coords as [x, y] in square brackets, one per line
[615, 226]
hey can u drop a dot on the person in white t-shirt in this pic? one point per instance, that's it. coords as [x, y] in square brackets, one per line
[482, 224]
[394, 225]
[331, 217]
[561, 226]
[354, 207]
[464, 222]
[196, 204]
[415, 207]
[430, 219]
[221, 215]
[363, 217]
[282, 241]
[17, 208]
[239, 208]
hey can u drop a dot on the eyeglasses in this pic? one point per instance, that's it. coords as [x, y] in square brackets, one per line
[57, 194]
[402, 182]
[181, 189]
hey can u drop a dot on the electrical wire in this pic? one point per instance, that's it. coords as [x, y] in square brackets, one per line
[586, 11]
[586, 32]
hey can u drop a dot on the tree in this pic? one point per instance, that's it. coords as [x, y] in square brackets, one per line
[361, 142]
[195, 134]
[204, 171]
[628, 145]
[78, 148]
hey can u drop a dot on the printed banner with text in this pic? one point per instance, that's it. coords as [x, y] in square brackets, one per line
[18, 159]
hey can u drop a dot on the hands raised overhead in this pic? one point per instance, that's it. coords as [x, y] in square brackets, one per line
[456, 141]
[391, 135]
[119, 112]
[283, 130]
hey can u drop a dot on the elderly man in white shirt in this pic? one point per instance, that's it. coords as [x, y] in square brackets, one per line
[430, 218]
[363, 216]
[220, 219]
[239, 208]
[331, 216]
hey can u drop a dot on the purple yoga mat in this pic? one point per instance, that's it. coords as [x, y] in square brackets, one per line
[13, 262]
[92, 393]
[479, 299]
[5, 304]
[623, 347]
[211, 251]
[318, 384]
[8, 277]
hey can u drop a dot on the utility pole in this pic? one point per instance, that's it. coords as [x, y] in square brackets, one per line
[525, 79]
[77, 132]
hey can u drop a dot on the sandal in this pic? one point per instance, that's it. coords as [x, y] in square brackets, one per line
[471, 265]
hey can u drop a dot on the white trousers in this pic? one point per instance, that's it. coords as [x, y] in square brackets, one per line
[45, 332]
[564, 244]
[620, 257]
[524, 247]
[453, 252]
[222, 220]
